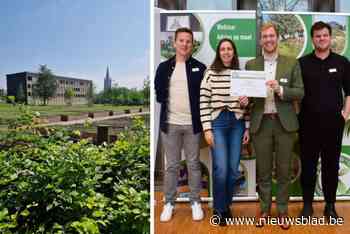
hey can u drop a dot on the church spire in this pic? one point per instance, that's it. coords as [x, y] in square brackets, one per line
[108, 80]
[107, 73]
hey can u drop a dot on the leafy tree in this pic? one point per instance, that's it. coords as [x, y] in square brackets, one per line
[91, 94]
[46, 86]
[278, 5]
[121, 96]
[146, 91]
[68, 96]
[11, 99]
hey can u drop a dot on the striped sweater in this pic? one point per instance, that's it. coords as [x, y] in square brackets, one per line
[215, 96]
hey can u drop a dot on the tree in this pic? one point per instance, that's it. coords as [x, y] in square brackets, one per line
[11, 99]
[121, 96]
[287, 25]
[68, 96]
[46, 86]
[91, 94]
[278, 5]
[146, 91]
[20, 97]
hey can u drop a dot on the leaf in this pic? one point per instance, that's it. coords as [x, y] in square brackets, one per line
[25, 213]
[136, 211]
[98, 214]
[3, 214]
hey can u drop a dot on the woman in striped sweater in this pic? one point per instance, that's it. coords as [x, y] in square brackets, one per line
[225, 124]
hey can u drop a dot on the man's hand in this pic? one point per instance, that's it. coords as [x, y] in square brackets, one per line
[273, 84]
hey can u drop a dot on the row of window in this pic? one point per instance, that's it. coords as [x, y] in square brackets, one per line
[75, 95]
[81, 83]
[61, 95]
[72, 82]
[29, 86]
[265, 5]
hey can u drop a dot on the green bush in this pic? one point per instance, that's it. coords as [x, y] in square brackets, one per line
[52, 183]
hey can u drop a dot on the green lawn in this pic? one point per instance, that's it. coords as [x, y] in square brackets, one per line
[8, 111]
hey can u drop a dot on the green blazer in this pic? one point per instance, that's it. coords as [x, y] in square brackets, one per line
[288, 75]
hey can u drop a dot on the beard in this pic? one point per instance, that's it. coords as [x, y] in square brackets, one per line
[323, 48]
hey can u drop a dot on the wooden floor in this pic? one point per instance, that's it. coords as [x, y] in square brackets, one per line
[182, 220]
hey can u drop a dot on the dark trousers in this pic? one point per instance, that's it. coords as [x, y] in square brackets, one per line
[273, 143]
[320, 135]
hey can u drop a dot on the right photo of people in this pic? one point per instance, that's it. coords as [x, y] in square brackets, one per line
[251, 102]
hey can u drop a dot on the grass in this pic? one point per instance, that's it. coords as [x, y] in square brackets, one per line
[8, 111]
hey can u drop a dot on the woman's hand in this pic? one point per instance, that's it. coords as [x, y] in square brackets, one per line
[209, 138]
[246, 136]
[243, 101]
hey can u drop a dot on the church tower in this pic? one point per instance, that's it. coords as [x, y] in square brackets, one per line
[107, 81]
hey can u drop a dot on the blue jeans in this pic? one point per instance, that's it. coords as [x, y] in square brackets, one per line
[228, 134]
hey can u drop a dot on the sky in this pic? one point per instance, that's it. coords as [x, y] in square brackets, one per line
[76, 38]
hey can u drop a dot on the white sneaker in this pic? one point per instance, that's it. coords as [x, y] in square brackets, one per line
[167, 212]
[197, 212]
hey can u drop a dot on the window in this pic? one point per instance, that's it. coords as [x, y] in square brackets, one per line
[325, 6]
[342, 5]
[207, 4]
[29, 86]
[30, 78]
[172, 4]
[210, 4]
[29, 94]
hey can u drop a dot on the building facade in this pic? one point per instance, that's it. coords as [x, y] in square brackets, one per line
[26, 81]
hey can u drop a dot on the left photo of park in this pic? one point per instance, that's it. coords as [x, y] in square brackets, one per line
[74, 116]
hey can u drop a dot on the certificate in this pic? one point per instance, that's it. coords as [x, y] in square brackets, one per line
[248, 83]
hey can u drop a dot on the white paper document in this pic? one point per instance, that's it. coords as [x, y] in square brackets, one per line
[248, 83]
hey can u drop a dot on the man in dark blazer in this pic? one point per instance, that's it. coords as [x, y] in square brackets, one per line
[177, 86]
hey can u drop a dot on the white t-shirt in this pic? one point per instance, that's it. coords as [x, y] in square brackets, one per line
[179, 110]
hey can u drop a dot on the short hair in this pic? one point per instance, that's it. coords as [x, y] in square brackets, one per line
[181, 30]
[320, 25]
[268, 25]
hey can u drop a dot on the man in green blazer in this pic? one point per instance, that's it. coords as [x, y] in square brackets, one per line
[274, 122]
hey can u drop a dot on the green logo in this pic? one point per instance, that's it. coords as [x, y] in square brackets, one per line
[241, 31]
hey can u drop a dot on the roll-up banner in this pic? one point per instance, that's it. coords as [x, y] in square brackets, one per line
[209, 27]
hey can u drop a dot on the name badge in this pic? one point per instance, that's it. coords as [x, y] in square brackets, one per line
[331, 70]
[195, 69]
[283, 80]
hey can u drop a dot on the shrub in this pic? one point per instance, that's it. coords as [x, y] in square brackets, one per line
[51, 183]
